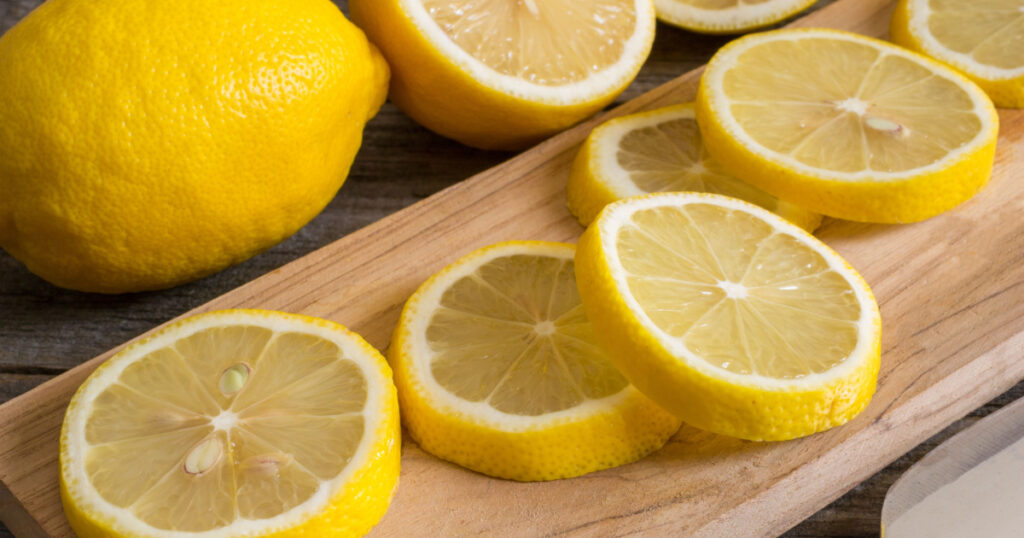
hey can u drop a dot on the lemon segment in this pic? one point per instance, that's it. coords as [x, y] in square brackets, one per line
[847, 126]
[983, 40]
[503, 74]
[304, 441]
[498, 370]
[727, 16]
[727, 315]
[656, 151]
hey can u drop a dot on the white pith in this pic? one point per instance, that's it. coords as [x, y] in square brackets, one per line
[125, 522]
[424, 303]
[920, 11]
[719, 103]
[225, 420]
[741, 16]
[595, 86]
[868, 324]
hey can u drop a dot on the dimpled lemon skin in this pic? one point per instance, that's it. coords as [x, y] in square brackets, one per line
[354, 509]
[700, 400]
[1006, 93]
[441, 96]
[144, 143]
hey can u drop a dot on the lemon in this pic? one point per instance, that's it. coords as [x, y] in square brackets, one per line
[729, 316]
[727, 16]
[497, 370]
[503, 74]
[655, 151]
[146, 143]
[982, 39]
[234, 423]
[847, 126]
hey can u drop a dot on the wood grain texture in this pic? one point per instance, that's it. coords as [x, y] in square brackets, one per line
[361, 280]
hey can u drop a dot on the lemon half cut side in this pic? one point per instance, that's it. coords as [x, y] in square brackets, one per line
[503, 74]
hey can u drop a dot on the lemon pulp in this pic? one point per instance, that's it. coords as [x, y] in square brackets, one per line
[665, 153]
[990, 32]
[513, 335]
[741, 296]
[297, 421]
[848, 107]
[983, 39]
[658, 151]
[668, 156]
[524, 38]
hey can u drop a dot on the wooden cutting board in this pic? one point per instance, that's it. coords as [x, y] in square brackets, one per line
[951, 291]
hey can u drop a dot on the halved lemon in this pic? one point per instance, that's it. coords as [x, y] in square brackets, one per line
[982, 39]
[233, 423]
[657, 151]
[498, 370]
[727, 16]
[729, 316]
[507, 73]
[847, 126]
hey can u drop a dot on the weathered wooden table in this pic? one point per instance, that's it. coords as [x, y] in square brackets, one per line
[46, 330]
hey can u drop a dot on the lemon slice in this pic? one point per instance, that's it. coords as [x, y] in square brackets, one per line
[982, 39]
[233, 423]
[507, 73]
[727, 16]
[498, 371]
[656, 151]
[729, 316]
[847, 126]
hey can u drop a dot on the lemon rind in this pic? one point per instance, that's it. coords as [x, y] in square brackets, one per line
[88, 503]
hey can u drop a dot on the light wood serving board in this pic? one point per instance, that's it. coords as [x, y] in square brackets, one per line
[951, 291]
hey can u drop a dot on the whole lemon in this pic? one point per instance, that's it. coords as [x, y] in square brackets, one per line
[147, 143]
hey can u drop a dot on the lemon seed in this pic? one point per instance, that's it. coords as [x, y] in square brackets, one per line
[233, 379]
[886, 126]
[203, 456]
